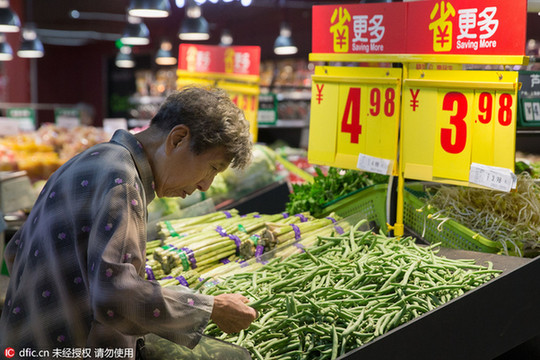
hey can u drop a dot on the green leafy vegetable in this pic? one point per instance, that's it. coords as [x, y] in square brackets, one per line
[312, 197]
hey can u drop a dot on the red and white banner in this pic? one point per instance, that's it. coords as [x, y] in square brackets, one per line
[463, 27]
[231, 60]
[359, 29]
[457, 27]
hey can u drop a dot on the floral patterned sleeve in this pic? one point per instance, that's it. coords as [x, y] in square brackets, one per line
[121, 298]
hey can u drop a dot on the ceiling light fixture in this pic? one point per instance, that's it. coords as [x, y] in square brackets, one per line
[31, 46]
[226, 38]
[164, 55]
[9, 21]
[135, 32]
[6, 52]
[194, 26]
[124, 58]
[149, 8]
[284, 44]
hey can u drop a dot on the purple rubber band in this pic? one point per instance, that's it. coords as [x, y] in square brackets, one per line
[237, 241]
[149, 272]
[302, 217]
[300, 246]
[259, 250]
[285, 215]
[339, 229]
[221, 231]
[225, 261]
[191, 257]
[182, 280]
[256, 216]
[243, 263]
[227, 214]
[332, 219]
[297, 234]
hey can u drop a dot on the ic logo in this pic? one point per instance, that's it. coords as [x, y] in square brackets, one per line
[9, 352]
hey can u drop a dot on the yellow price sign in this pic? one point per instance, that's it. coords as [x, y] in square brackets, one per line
[355, 118]
[246, 97]
[249, 104]
[453, 119]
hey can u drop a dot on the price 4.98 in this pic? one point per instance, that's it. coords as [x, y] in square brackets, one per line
[453, 140]
[378, 102]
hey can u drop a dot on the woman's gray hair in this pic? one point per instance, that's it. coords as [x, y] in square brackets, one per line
[213, 120]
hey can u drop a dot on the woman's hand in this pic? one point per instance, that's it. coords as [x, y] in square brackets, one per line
[231, 314]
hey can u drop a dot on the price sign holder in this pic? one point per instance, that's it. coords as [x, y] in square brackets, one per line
[466, 117]
[454, 126]
[232, 68]
[355, 118]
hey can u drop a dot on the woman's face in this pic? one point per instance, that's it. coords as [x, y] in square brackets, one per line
[181, 171]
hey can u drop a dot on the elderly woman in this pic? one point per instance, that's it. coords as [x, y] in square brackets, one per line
[77, 265]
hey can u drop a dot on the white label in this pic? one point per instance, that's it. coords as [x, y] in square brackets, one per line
[67, 122]
[492, 177]
[373, 164]
[8, 126]
[266, 116]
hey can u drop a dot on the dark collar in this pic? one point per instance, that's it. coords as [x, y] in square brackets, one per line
[127, 140]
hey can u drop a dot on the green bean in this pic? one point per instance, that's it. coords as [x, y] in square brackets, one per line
[325, 304]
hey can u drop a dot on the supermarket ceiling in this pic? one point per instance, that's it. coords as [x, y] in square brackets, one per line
[104, 20]
[257, 24]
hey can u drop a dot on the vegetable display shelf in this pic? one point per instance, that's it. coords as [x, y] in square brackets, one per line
[369, 202]
[450, 233]
[484, 323]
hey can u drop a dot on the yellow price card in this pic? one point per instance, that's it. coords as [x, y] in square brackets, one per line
[452, 119]
[355, 118]
[246, 97]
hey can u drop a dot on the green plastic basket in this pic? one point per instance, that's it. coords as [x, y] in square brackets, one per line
[451, 234]
[369, 202]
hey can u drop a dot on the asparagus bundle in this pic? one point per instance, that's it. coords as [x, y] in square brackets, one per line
[204, 243]
[197, 248]
[192, 224]
[277, 233]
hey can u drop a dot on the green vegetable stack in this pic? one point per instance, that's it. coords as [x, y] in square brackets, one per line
[192, 247]
[312, 197]
[342, 293]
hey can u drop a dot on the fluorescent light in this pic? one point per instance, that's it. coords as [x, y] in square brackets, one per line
[164, 55]
[136, 33]
[194, 26]
[124, 59]
[9, 21]
[284, 44]
[31, 46]
[149, 8]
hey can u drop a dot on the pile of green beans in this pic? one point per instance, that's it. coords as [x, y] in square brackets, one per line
[343, 292]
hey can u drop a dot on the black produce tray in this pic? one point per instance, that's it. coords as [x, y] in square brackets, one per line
[484, 323]
[270, 199]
